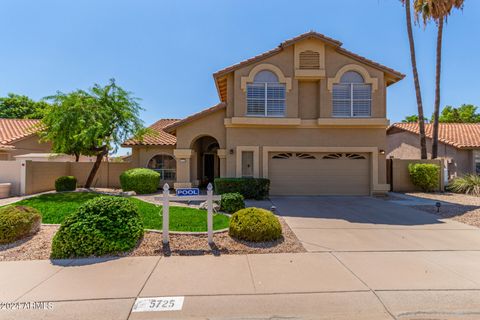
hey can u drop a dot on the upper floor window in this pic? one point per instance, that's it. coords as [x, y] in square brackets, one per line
[352, 97]
[266, 96]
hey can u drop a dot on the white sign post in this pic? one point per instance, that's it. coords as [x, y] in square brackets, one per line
[166, 199]
[166, 213]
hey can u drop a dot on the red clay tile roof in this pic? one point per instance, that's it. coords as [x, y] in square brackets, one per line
[156, 138]
[459, 135]
[12, 130]
[195, 116]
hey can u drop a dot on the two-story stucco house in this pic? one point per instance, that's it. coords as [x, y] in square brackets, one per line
[309, 115]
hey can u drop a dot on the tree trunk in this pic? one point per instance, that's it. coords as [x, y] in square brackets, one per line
[436, 111]
[421, 120]
[77, 157]
[95, 167]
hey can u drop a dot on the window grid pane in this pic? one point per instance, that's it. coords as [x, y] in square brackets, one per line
[352, 100]
[266, 99]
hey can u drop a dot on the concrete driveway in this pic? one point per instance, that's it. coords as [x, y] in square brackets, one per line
[370, 224]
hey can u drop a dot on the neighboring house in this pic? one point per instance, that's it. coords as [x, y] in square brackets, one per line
[309, 115]
[18, 137]
[459, 145]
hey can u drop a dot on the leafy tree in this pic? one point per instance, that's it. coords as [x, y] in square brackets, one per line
[438, 11]
[15, 106]
[412, 118]
[466, 113]
[416, 81]
[92, 123]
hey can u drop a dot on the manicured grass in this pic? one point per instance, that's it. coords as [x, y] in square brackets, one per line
[54, 207]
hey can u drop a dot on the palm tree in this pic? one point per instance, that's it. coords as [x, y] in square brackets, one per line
[421, 121]
[438, 11]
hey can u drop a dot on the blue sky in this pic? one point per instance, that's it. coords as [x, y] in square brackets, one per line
[166, 51]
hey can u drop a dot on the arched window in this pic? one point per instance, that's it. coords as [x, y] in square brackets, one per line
[352, 97]
[266, 96]
[165, 165]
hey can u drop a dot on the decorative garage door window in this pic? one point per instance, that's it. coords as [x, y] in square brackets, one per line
[289, 155]
[353, 156]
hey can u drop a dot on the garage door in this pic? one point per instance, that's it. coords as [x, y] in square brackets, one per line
[297, 173]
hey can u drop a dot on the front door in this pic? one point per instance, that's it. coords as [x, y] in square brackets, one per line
[208, 168]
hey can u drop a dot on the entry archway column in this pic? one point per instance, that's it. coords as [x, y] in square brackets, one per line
[183, 157]
[222, 156]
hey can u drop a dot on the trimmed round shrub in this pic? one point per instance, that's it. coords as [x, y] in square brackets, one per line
[103, 225]
[17, 222]
[426, 176]
[140, 180]
[66, 183]
[232, 202]
[468, 184]
[255, 224]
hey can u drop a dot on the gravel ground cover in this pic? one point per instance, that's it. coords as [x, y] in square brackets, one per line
[38, 246]
[461, 207]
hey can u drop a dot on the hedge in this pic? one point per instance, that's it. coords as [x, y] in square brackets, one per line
[17, 222]
[426, 176]
[140, 180]
[101, 226]
[66, 183]
[249, 188]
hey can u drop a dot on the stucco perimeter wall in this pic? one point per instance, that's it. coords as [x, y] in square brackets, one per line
[10, 172]
[40, 176]
[406, 145]
[305, 137]
[107, 175]
[399, 177]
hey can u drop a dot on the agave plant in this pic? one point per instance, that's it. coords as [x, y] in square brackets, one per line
[468, 184]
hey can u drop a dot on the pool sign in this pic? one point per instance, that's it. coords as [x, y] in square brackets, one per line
[185, 192]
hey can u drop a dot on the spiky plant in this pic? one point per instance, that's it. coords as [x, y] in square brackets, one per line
[468, 184]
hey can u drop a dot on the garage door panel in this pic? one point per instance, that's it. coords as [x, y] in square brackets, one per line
[340, 174]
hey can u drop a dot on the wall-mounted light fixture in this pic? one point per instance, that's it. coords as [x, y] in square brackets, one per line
[381, 151]
[231, 151]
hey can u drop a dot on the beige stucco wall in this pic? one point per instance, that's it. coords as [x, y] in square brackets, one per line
[295, 137]
[28, 145]
[41, 176]
[210, 125]
[400, 178]
[10, 172]
[406, 145]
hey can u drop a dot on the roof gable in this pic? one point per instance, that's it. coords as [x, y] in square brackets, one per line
[220, 76]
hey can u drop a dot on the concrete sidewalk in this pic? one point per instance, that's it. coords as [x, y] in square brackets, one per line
[326, 285]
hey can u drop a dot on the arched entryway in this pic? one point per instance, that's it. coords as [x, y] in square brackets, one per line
[205, 161]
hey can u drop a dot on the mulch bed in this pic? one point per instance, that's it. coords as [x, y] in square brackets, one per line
[38, 246]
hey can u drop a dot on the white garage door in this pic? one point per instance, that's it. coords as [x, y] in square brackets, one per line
[297, 173]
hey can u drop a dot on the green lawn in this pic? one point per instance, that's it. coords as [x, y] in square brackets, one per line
[54, 207]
